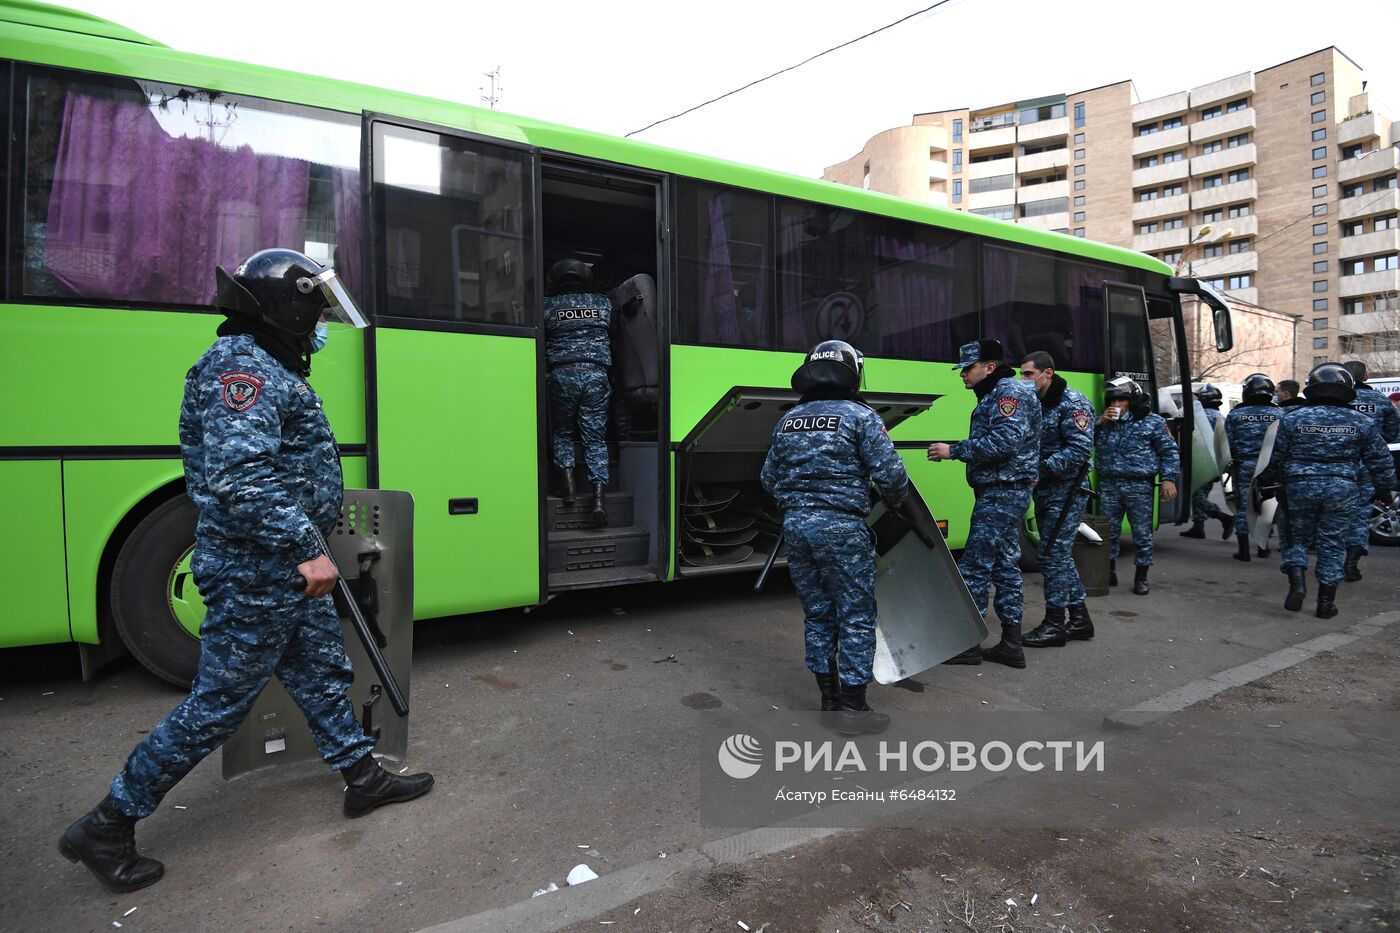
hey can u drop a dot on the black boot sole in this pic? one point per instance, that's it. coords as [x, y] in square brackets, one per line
[1324, 614]
[358, 812]
[990, 654]
[1031, 640]
[1085, 635]
[65, 849]
[1293, 601]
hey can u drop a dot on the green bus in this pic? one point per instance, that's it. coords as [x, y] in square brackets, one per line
[133, 170]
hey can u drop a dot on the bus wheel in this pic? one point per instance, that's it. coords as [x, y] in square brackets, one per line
[155, 604]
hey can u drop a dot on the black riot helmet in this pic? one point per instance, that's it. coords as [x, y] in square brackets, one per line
[831, 364]
[1121, 388]
[1258, 389]
[1330, 384]
[569, 275]
[287, 290]
[1209, 396]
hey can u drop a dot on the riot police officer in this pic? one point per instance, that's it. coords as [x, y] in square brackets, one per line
[1245, 427]
[1001, 452]
[1378, 408]
[1202, 508]
[261, 464]
[1319, 450]
[578, 348]
[1132, 446]
[1066, 445]
[825, 452]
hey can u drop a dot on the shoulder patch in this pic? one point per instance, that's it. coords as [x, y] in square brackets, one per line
[1008, 405]
[1081, 420]
[240, 390]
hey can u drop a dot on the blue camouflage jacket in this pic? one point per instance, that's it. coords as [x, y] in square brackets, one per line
[1066, 433]
[1136, 448]
[578, 329]
[260, 459]
[1003, 435]
[825, 453]
[1245, 427]
[1331, 441]
[1377, 407]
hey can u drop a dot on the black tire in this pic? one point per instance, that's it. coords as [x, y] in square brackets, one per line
[141, 579]
[1385, 525]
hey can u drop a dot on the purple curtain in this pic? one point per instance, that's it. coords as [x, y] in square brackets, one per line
[999, 267]
[349, 230]
[1084, 300]
[135, 214]
[719, 321]
[914, 294]
[790, 238]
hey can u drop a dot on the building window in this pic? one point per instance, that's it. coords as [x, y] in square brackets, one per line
[1211, 216]
[1245, 280]
[957, 160]
[1148, 194]
[1241, 246]
[1242, 174]
[1173, 223]
[1321, 153]
[1238, 210]
[1319, 229]
[1318, 250]
[1215, 145]
[1078, 138]
[957, 131]
[1388, 302]
[1078, 231]
[1353, 191]
[1320, 304]
[1319, 116]
[1318, 97]
[1149, 227]
[1319, 343]
[1148, 162]
[1172, 257]
[1079, 200]
[1171, 123]
[1147, 129]
[1213, 250]
[1319, 78]
[1386, 263]
[994, 183]
[1004, 212]
[1079, 217]
[1210, 113]
[1351, 152]
[1353, 305]
[1212, 181]
[1319, 135]
[1047, 206]
[1036, 114]
[1319, 210]
[1079, 153]
[1079, 115]
[1238, 140]
[1319, 171]
[957, 190]
[1079, 169]
[1387, 222]
[1174, 156]
[1235, 106]
[1079, 185]
[1171, 191]
[1384, 182]
[1320, 285]
[1353, 267]
[1353, 228]
[1320, 267]
[1320, 323]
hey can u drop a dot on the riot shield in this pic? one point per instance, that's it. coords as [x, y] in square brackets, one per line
[373, 546]
[1205, 468]
[926, 615]
[1261, 512]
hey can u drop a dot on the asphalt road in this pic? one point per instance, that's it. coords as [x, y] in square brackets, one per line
[557, 737]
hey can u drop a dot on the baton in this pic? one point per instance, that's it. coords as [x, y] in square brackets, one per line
[366, 635]
[1074, 490]
[768, 564]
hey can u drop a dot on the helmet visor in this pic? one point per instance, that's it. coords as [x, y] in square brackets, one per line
[339, 305]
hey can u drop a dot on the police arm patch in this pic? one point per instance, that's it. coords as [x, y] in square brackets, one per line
[1008, 406]
[1081, 421]
[240, 390]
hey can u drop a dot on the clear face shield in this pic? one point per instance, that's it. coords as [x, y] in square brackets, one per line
[339, 305]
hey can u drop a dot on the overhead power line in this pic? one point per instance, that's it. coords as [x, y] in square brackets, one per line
[805, 61]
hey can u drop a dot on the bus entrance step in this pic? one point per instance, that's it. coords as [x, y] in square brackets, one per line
[593, 550]
[581, 477]
[579, 516]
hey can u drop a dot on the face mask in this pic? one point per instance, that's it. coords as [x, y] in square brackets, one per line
[319, 337]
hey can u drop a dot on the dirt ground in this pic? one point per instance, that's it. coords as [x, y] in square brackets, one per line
[911, 880]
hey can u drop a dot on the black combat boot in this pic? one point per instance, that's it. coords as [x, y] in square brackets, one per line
[830, 687]
[1008, 650]
[1140, 587]
[600, 512]
[972, 655]
[1297, 588]
[1081, 627]
[1050, 633]
[1197, 530]
[1227, 525]
[105, 841]
[855, 715]
[1261, 552]
[567, 491]
[369, 786]
[1243, 553]
[1351, 567]
[1326, 600]
[1113, 573]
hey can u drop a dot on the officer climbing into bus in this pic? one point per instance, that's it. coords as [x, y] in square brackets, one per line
[1323, 453]
[261, 465]
[1245, 427]
[826, 451]
[1002, 456]
[1066, 446]
[1377, 407]
[1132, 446]
[578, 348]
[1201, 507]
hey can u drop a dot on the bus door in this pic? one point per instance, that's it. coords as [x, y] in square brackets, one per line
[1130, 341]
[452, 365]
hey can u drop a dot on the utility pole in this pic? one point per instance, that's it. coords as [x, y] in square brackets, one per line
[493, 96]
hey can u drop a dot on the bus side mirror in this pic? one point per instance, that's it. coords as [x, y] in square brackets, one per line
[1224, 330]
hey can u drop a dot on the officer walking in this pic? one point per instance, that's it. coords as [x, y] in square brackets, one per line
[1378, 408]
[1323, 453]
[262, 466]
[1132, 446]
[1245, 426]
[1001, 452]
[1201, 507]
[1066, 445]
[825, 452]
[578, 347]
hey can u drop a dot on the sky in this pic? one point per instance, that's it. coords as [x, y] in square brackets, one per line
[615, 67]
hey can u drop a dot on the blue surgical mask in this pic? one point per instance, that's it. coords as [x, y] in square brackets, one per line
[319, 337]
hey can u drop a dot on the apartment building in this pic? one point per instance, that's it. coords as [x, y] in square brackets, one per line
[1278, 186]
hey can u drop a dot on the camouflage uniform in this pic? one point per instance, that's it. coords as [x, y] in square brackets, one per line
[1001, 452]
[578, 347]
[261, 464]
[1066, 445]
[1377, 407]
[1129, 453]
[1320, 450]
[1245, 426]
[1201, 506]
[819, 468]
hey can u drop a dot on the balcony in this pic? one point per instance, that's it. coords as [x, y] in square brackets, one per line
[1174, 206]
[1370, 283]
[1161, 140]
[937, 171]
[1229, 264]
[1044, 191]
[1161, 174]
[1370, 202]
[984, 199]
[1224, 159]
[1239, 226]
[1372, 163]
[1058, 221]
[1227, 124]
[1006, 166]
[1043, 129]
[1246, 190]
[1358, 129]
[1250, 295]
[1163, 239]
[1225, 89]
[1042, 161]
[1160, 107]
[938, 198]
[1372, 322]
[992, 139]
[1378, 241]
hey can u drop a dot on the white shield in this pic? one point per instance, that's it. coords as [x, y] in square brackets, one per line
[1262, 519]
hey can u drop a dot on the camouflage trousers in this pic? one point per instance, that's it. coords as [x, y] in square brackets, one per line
[1134, 497]
[1244, 476]
[993, 550]
[831, 559]
[1062, 584]
[1361, 529]
[256, 626]
[1201, 506]
[579, 396]
[1321, 514]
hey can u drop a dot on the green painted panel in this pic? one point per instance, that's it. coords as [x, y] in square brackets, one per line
[32, 588]
[458, 419]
